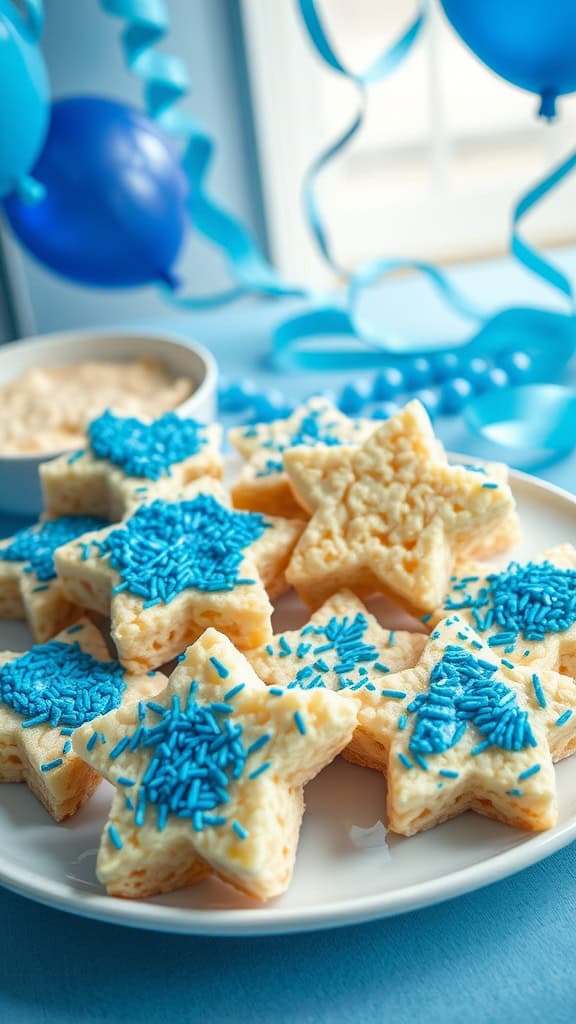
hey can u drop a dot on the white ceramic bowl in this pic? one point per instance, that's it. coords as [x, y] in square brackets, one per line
[19, 480]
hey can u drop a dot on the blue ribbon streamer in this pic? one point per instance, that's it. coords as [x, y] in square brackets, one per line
[166, 82]
[530, 328]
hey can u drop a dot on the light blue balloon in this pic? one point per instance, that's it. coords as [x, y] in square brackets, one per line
[23, 97]
[530, 43]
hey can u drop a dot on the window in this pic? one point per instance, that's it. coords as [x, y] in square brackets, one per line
[445, 149]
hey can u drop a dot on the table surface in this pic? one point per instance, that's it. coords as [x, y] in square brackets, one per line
[504, 953]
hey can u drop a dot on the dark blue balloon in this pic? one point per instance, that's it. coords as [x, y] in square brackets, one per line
[114, 213]
[531, 43]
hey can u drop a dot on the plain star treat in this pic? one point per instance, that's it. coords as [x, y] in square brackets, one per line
[209, 776]
[172, 568]
[342, 648]
[389, 516]
[526, 611]
[470, 730]
[29, 588]
[47, 693]
[128, 461]
[263, 485]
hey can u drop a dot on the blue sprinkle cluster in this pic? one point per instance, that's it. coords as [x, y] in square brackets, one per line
[311, 431]
[145, 449]
[165, 548]
[195, 752]
[343, 640]
[524, 600]
[36, 545]
[463, 689]
[60, 684]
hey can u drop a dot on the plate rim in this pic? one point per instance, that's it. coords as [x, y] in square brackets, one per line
[270, 919]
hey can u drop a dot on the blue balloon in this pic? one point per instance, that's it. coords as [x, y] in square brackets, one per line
[531, 43]
[114, 212]
[23, 97]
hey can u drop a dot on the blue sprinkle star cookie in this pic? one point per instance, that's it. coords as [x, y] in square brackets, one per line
[29, 588]
[342, 648]
[263, 485]
[390, 515]
[525, 611]
[128, 461]
[471, 731]
[172, 567]
[209, 776]
[45, 695]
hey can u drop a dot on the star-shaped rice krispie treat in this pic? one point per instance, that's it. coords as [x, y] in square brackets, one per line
[263, 485]
[29, 588]
[506, 535]
[47, 693]
[172, 568]
[525, 611]
[128, 461]
[209, 776]
[470, 730]
[342, 648]
[388, 516]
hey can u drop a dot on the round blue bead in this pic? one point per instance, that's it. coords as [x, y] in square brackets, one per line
[269, 405]
[498, 378]
[430, 400]
[387, 384]
[454, 394]
[354, 397]
[518, 366]
[418, 373]
[477, 371]
[445, 366]
[384, 411]
[237, 396]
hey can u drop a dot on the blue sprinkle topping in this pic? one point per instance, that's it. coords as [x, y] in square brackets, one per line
[276, 691]
[36, 545]
[392, 638]
[300, 723]
[67, 747]
[75, 629]
[258, 771]
[193, 758]
[239, 830]
[539, 692]
[462, 690]
[145, 449]
[314, 428]
[75, 456]
[114, 837]
[402, 721]
[447, 774]
[514, 792]
[529, 600]
[529, 771]
[221, 669]
[234, 691]
[59, 683]
[564, 717]
[123, 781]
[405, 761]
[344, 642]
[165, 548]
[51, 764]
[393, 693]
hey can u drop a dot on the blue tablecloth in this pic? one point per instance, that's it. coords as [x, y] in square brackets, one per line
[506, 953]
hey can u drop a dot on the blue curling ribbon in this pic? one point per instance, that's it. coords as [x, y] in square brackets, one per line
[166, 82]
[525, 328]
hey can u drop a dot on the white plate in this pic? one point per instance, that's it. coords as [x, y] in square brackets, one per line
[347, 870]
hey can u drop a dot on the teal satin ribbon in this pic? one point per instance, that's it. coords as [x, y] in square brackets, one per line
[166, 82]
[525, 328]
